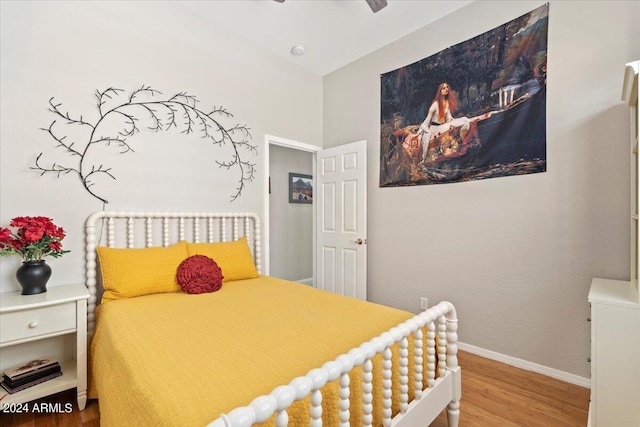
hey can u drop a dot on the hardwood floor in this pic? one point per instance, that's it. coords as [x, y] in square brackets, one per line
[493, 395]
[496, 394]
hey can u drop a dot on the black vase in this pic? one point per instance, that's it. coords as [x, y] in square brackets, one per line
[33, 277]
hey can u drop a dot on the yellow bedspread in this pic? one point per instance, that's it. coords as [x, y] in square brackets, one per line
[180, 360]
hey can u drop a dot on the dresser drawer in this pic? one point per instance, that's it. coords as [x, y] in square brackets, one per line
[36, 322]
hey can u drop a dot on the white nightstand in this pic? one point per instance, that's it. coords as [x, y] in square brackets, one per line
[53, 323]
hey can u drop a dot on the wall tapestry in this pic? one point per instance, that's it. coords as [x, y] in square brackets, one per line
[122, 115]
[475, 110]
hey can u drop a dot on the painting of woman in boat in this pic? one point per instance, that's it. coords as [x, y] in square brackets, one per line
[473, 111]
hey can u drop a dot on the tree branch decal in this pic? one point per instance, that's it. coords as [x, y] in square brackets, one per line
[144, 108]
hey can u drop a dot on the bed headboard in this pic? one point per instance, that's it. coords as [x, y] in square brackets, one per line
[147, 229]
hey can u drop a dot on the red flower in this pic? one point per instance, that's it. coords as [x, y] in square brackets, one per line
[5, 235]
[35, 237]
[33, 234]
[59, 233]
[55, 246]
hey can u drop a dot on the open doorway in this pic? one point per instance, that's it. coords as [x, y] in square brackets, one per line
[289, 228]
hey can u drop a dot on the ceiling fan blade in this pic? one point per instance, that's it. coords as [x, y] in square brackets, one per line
[376, 5]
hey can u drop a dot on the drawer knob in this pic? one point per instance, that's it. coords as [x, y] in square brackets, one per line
[33, 324]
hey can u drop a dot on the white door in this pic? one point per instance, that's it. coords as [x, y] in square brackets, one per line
[341, 197]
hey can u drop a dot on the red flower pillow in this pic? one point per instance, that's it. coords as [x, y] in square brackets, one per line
[199, 274]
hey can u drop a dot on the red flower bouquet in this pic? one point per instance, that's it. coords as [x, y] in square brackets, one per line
[35, 238]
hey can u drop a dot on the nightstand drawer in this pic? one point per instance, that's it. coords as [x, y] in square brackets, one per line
[37, 321]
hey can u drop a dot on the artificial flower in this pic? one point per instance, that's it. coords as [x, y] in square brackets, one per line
[35, 238]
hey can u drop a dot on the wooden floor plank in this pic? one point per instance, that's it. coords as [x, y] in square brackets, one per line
[494, 394]
[549, 404]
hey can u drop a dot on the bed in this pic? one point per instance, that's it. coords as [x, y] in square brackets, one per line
[256, 350]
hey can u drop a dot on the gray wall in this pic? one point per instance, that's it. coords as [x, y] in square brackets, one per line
[291, 232]
[515, 255]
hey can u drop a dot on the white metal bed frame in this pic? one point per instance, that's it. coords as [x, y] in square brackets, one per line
[441, 320]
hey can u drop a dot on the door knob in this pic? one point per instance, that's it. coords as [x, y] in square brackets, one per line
[360, 241]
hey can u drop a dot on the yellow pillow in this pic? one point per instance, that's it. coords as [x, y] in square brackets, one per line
[234, 258]
[129, 273]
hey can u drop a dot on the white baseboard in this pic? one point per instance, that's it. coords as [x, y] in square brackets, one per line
[526, 365]
[307, 281]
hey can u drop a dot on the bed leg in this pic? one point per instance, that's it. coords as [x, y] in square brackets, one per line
[453, 413]
[453, 409]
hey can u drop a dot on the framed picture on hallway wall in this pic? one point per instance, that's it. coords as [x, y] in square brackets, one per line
[300, 188]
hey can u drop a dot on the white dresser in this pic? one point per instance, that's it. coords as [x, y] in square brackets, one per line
[615, 310]
[615, 354]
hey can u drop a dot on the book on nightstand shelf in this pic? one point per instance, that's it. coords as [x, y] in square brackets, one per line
[28, 374]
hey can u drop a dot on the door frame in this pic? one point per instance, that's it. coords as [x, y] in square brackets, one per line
[296, 145]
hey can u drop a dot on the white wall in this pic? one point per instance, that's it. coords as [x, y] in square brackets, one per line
[70, 49]
[515, 255]
[291, 224]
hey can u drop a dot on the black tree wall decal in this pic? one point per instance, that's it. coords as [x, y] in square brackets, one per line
[142, 108]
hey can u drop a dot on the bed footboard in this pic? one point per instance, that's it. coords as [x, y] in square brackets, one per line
[442, 390]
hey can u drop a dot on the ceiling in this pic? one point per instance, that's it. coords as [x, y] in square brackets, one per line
[332, 32]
